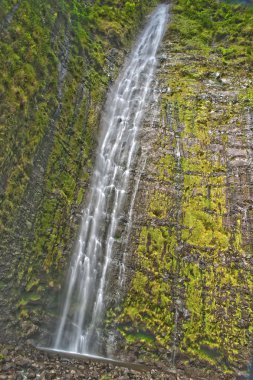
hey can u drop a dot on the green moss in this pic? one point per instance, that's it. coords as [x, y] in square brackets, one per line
[55, 74]
[106, 377]
[190, 289]
[139, 337]
[27, 299]
[149, 301]
[159, 205]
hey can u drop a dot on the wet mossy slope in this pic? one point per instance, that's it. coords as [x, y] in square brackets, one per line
[190, 300]
[57, 60]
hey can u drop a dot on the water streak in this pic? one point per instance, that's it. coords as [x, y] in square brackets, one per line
[86, 296]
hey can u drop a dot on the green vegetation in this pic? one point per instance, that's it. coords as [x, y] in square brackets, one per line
[191, 288]
[192, 291]
[57, 61]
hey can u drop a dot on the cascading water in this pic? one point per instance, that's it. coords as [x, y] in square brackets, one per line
[88, 278]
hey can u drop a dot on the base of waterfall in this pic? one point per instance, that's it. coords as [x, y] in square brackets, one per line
[89, 357]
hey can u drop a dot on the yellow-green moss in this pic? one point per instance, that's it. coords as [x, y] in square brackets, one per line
[190, 288]
[54, 65]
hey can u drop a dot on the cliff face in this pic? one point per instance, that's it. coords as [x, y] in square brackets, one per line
[191, 295]
[57, 60]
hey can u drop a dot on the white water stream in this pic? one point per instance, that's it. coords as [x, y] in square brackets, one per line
[87, 283]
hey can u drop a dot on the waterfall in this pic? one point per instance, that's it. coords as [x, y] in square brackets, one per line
[85, 300]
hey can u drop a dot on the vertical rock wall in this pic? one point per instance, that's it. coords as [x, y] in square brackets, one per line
[57, 61]
[190, 299]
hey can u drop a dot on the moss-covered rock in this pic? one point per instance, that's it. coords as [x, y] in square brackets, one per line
[57, 60]
[192, 289]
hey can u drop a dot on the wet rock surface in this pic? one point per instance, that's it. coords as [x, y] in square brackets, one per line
[193, 217]
[25, 362]
[190, 273]
[51, 118]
